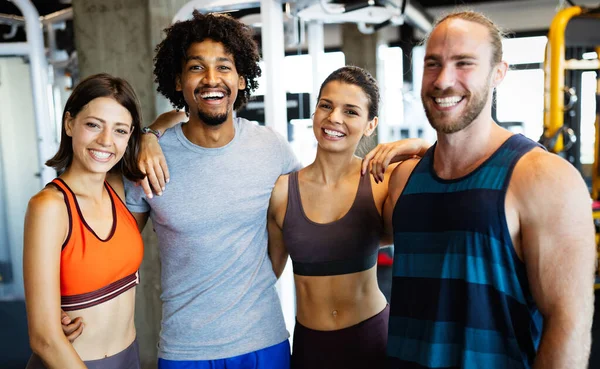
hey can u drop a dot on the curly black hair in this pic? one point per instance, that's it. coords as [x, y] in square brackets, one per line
[235, 36]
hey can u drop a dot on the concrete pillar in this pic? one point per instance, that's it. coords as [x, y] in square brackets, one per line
[361, 50]
[119, 37]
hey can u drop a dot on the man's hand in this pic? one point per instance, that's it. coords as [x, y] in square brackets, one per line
[151, 159]
[385, 154]
[153, 164]
[71, 328]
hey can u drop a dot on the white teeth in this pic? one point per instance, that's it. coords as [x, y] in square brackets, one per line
[333, 133]
[446, 102]
[207, 95]
[100, 155]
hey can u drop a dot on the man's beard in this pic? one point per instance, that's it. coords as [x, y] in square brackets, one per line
[212, 120]
[474, 107]
[215, 119]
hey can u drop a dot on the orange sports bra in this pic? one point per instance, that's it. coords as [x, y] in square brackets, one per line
[93, 270]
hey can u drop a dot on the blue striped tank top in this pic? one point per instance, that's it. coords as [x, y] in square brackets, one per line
[460, 295]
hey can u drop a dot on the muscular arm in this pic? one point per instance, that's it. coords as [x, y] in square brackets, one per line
[557, 244]
[41, 267]
[275, 215]
[168, 120]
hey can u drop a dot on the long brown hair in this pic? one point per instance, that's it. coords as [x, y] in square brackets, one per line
[102, 85]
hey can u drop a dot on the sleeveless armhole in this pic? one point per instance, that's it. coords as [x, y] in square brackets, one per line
[293, 197]
[409, 178]
[116, 196]
[66, 200]
[511, 168]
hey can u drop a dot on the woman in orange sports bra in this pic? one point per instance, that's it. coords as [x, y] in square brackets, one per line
[82, 247]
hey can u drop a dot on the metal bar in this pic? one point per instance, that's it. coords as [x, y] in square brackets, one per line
[11, 19]
[595, 167]
[556, 37]
[418, 17]
[56, 17]
[14, 48]
[203, 6]
[316, 47]
[271, 14]
[575, 64]
[39, 80]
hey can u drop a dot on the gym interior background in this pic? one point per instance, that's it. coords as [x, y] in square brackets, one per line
[82, 37]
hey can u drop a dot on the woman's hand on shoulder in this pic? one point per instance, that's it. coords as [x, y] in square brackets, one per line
[377, 160]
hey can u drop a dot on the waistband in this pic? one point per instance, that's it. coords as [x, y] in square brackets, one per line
[126, 359]
[382, 316]
[129, 358]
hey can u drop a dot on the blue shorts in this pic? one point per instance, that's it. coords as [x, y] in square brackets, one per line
[273, 357]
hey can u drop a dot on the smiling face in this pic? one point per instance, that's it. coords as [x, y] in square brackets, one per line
[100, 133]
[342, 117]
[210, 82]
[458, 79]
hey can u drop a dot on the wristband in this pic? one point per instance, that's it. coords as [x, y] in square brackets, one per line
[153, 131]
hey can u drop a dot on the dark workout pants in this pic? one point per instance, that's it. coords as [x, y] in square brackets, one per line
[361, 346]
[126, 359]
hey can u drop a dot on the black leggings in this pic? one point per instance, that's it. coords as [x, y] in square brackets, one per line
[357, 347]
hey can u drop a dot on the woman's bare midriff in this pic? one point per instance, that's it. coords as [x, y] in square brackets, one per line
[335, 302]
[109, 327]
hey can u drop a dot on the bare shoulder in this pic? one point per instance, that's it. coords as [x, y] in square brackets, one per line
[281, 185]
[278, 202]
[542, 174]
[280, 190]
[402, 172]
[390, 169]
[49, 202]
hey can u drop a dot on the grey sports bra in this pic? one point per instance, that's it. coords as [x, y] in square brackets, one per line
[347, 245]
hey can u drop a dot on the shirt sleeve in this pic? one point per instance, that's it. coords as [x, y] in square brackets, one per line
[289, 160]
[135, 197]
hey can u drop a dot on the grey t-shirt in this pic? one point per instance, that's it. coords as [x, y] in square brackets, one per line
[218, 286]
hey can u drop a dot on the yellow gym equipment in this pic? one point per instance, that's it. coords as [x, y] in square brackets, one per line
[572, 27]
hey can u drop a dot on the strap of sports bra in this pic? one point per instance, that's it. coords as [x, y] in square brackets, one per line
[69, 203]
[293, 206]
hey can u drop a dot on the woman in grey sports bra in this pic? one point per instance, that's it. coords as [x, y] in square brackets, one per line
[328, 218]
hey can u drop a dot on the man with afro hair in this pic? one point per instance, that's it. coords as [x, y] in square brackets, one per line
[220, 305]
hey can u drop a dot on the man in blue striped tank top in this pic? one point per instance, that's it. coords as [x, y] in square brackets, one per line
[494, 240]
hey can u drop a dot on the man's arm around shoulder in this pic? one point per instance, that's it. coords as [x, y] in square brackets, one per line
[557, 243]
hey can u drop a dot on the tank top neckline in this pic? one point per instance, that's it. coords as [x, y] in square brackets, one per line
[112, 203]
[471, 173]
[301, 207]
